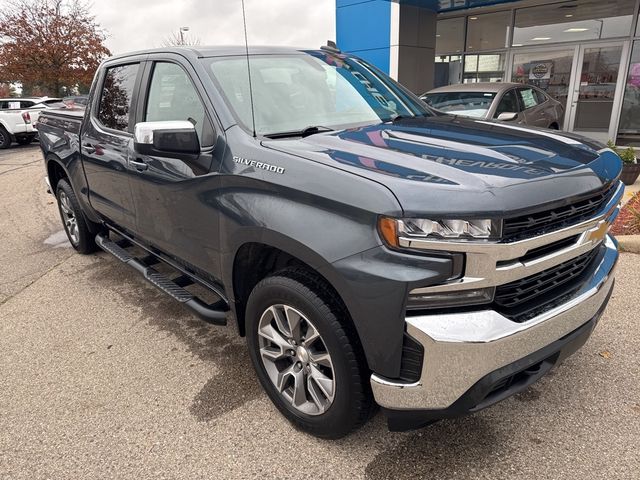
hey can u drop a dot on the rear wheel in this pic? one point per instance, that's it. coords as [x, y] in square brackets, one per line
[306, 358]
[5, 139]
[24, 140]
[75, 224]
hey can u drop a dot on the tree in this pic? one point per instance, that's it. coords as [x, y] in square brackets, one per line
[49, 45]
[179, 38]
[7, 90]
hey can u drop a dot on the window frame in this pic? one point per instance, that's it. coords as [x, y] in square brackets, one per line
[95, 107]
[145, 89]
[504, 94]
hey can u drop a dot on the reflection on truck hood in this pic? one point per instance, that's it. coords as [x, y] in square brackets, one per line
[465, 157]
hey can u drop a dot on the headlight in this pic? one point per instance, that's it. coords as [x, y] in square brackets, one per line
[392, 229]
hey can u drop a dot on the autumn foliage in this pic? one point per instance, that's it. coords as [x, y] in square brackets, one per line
[50, 46]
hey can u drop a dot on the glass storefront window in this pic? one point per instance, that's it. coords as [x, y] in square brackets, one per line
[448, 70]
[629, 127]
[549, 71]
[573, 21]
[483, 68]
[598, 80]
[450, 35]
[489, 31]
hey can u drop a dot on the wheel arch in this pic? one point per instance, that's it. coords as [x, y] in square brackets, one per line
[255, 259]
[56, 171]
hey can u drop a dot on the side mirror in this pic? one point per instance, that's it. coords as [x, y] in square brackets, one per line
[507, 116]
[166, 139]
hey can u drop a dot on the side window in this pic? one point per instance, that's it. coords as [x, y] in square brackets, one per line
[172, 96]
[541, 96]
[115, 100]
[508, 103]
[528, 97]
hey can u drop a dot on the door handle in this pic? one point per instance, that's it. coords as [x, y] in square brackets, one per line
[89, 148]
[139, 165]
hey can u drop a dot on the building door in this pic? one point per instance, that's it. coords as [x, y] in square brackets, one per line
[550, 70]
[595, 98]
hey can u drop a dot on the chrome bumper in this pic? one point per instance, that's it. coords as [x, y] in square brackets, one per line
[462, 348]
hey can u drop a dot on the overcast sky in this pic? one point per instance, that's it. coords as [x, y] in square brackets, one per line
[140, 24]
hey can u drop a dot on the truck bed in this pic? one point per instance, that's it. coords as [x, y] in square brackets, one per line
[69, 120]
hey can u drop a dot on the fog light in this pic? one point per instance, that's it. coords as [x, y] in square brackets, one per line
[462, 298]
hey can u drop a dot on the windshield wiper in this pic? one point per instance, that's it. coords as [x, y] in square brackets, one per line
[305, 132]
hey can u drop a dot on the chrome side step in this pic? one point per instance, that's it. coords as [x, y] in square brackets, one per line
[211, 313]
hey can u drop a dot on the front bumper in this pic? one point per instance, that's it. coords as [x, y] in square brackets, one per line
[460, 349]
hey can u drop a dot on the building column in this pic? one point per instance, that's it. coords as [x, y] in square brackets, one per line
[397, 38]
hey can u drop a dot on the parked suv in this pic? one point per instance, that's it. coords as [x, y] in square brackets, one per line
[372, 250]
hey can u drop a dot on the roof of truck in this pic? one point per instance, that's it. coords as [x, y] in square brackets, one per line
[218, 51]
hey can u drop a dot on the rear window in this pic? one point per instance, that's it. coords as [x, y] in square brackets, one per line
[115, 100]
[468, 104]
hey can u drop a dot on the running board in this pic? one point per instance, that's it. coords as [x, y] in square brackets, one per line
[214, 313]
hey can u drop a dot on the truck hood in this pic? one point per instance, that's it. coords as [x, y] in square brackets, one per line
[447, 164]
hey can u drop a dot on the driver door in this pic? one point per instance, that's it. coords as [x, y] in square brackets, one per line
[176, 198]
[509, 104]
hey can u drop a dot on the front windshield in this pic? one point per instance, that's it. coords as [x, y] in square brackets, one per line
[293, 92]
[468, 104]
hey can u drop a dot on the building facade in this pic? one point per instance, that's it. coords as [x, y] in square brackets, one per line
[584, 53]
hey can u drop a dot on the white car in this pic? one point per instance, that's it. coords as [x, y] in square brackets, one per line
[18, 117]
[15, 123]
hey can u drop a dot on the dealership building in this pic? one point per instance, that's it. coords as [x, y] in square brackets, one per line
[584, 53]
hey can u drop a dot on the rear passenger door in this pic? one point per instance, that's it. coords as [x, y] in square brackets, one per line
[176, 198]
[107, 142]
[533, 109]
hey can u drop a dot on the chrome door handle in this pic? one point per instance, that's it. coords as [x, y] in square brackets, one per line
[89, 148]
[140, 166]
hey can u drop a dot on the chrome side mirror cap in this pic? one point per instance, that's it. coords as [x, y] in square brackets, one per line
[166, 138]
[507, 116]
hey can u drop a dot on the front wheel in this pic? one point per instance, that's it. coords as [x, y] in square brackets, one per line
[75, 224]
[306, 357]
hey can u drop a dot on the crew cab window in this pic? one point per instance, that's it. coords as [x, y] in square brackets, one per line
[508, 103]
[172, 96]
[115, 100]
[15, 104]
[528, 98]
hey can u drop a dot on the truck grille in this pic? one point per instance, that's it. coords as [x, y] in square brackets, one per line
[531, 296]
[526, 226]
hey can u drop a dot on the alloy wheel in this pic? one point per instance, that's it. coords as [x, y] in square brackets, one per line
[69, 218]
[296, 359]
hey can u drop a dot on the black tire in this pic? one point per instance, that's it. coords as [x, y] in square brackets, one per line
[5, 139]
[352, 403]
[24, 140]
[82, 239]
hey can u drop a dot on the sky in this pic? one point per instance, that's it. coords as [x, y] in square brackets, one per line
[140, 24]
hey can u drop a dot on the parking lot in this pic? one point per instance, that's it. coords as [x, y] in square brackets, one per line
[102, 376]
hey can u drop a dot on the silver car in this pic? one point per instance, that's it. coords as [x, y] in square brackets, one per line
[509, 102]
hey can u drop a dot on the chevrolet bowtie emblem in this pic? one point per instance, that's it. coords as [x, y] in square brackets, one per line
[599, 234]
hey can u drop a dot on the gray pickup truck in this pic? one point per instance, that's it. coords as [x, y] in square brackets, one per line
[371, 250]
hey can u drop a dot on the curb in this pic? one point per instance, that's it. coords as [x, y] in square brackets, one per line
[629, 243]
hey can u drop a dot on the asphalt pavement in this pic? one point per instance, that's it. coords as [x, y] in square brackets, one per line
[102, 376]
